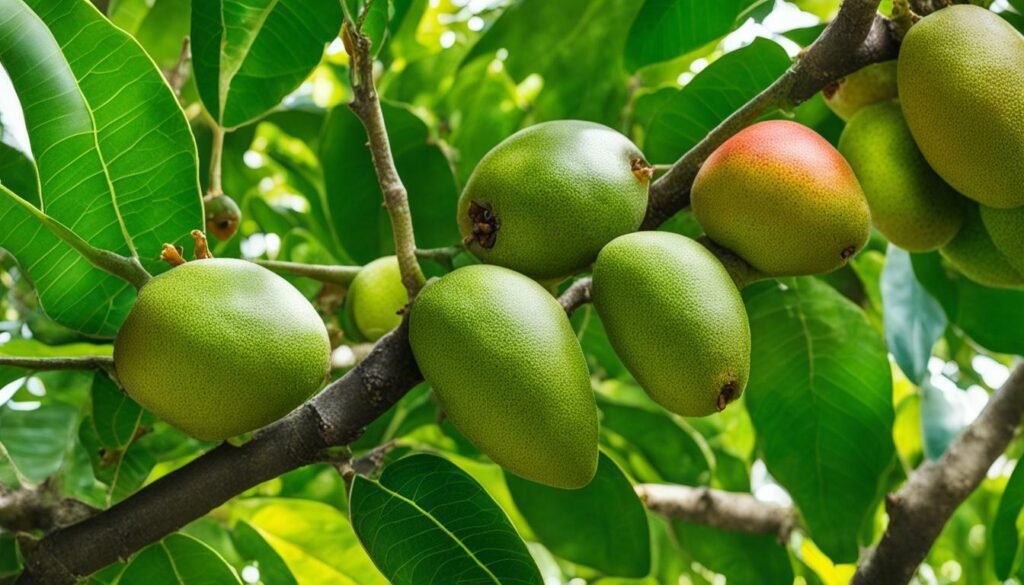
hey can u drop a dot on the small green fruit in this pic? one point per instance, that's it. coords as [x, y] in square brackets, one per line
[375, 298]
[505, 363]
[222, 216]
[870, 85]
[783, 199]
[676, 319]
[221, 347]
[974, 254]
[961, 82]
[1006, 227]
[547, 199]
[910, 204]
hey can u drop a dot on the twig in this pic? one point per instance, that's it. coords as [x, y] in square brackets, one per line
[920, 509]
[340, 275]
[177, 76]
[443, 256]
[577, 295]
[366, 106]
[857, 37]
[90, 362]
[730, 511]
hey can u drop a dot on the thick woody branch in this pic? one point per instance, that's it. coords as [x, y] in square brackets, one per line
[27, 509]
[366, 106]
[857, 37]
[920, 509]
[730, 511]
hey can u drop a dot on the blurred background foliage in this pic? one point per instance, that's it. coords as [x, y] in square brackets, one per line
[457, 77]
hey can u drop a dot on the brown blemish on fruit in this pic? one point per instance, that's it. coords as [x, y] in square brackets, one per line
[642, 169]
[830, 90]
[847, 252]
[485, 225]
[727, 394]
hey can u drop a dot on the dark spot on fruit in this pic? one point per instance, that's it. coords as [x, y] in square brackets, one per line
[642, 169]
[727, 394]
[831, 89]
[485, 225]
[847, 252]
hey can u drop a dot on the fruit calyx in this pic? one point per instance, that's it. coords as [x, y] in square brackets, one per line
[172, 254]
[642, 170]
[485, 225]
[727, 394]
[847, 252]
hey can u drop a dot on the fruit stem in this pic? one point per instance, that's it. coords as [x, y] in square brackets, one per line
[340, 275]
[202, 247]
[742, 273]
[366, 106]
[127, 268]
[85, 362]
[216, 157]
[443, 256]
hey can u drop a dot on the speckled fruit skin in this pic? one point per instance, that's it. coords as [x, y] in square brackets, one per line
[1006, 228]
[783, 199]
[375, 297]
[961, 83]
[974, 254]
[870, 85]
[674, 316]
[911, 205]
[559, 191]
[220, 347]
[505, 363]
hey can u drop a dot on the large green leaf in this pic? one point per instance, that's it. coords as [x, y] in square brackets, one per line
[426, 521]
[179, 560]
[34, 443]
[744, 559]
[914, 320]
[116, 159]
[602, 525]
[354, 199]
[574, 46]
[716, 92]
[122, 471]
[254, 548]
[942, 417]
[17, 170]
[1005, 537]
[666, 29]
[115, 416]
[249, 54]
[820, 398]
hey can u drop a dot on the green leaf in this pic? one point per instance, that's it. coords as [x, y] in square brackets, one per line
[179, 560]
[354, 199]
[820, 398]
[248, 55]
[163, 29]
[375, 23]
[255, 549]
[1005, 537]
[426, 521]
[744, 559]
[35, 442]
[115, 416]
[123, 471]
[314, 539]
[116, 159]
[602, 525]
[914, 320]
[574, 46]
[17, 170]
[714, 94]
[666, 29]
[942, 417]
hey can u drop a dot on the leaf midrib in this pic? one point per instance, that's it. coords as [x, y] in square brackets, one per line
[225, 79]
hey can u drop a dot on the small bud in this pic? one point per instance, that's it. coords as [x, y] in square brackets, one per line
[222, 216]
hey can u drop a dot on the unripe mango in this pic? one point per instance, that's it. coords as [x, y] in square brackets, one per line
[974, 254]
[864, 87]
[674, 316]
[783, 199]
[505, 364]
[1006, 228]
[961, 84]
[375, 298]
[911, 205]
[221, 347]
[548, 198]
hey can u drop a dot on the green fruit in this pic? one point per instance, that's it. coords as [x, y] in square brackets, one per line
[375, 298]
[783, 199]
[221, 347]
[506, 366]
[222, 216]
[974, 254]
[547, 199]
[870, 85]
[910, 204]
[676, 319]
[961, 81]
[1006, 228]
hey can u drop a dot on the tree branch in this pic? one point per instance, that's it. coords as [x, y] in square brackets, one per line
[577, 295]
[26, 510]
[89, 362]
[920, 509]
[366, 106]
[857, 37]
[730, 511]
